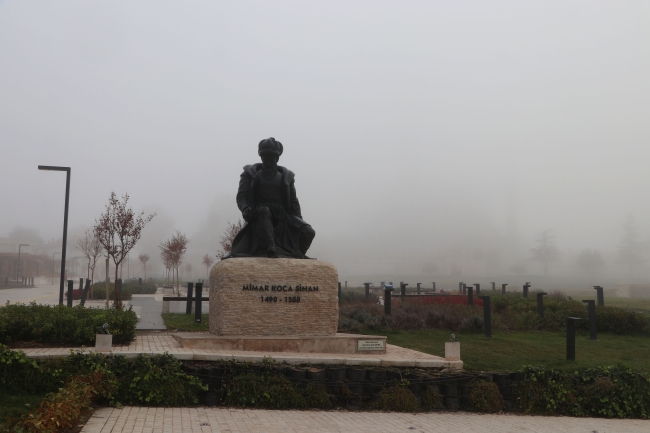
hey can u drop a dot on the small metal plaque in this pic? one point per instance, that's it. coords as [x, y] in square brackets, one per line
[371, 344]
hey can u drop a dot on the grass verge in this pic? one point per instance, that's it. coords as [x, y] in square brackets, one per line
[185, 322]
[511, 351]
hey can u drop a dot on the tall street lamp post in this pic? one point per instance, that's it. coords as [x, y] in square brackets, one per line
[18, 270]
[53, 266]
[65, 222]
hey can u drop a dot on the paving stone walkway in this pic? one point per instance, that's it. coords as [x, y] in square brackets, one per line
[204, 420]
[149, 309]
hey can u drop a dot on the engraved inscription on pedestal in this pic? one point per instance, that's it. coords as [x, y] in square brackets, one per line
[273, 297]
[364, 345]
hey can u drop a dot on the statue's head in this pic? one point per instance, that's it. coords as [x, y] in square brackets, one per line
[269, 150]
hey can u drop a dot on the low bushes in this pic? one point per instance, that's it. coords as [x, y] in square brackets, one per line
[162, 380]
[60, 325]
[63, 409]
[612, 392]
[510, 312]
[144, 380]
[140, 289]
[99, 292]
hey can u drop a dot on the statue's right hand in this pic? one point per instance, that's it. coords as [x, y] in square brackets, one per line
[248, 214]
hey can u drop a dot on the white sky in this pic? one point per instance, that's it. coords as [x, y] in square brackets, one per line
[412, 127]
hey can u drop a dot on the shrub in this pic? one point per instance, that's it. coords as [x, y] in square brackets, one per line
[431, 399]
[250, 389]
[60, 325]
[397, 399]
[146, 288]
[485, 397]
[62, 410]
[145, 380]
[99, 292]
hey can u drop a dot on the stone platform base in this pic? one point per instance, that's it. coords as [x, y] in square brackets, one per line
[340, 343]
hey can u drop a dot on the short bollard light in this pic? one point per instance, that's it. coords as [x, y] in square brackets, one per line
[503, 289]
[339, 293]
[452, 349]
[487, 316]
[418, 285]
[591, 307]
[470, 295]
[434, 286]
[461, 286]
[199, 302]
[494, 286]
[388, 288]
[70, 291]
[571, 338]
[367, 286]
[526, 287]
[478, 289]
[540, 304]
[188, 302]
[402, 289]
[600, 296]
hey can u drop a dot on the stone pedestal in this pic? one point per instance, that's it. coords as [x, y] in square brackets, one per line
[452, 351]
[103, 343]
[273, 297]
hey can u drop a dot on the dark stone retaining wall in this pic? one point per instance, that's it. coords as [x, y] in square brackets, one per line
[364, 383]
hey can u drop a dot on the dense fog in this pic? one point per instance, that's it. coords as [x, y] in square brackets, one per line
[430, 140]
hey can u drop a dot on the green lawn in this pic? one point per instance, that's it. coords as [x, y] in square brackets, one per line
[185, 322]
[505, 351]
[510, 351]
[12, 407]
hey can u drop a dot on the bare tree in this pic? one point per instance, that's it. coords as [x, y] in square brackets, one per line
[91, 248]
[545, 252]
[207, 261]
[590, 260]
[118, 230]
[229, 235]
[632, 251]
[173, 249]
[144, 258]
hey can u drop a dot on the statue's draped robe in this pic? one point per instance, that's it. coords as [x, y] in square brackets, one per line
[287, 218]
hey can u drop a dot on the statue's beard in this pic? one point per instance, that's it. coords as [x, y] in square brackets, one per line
[269, 167]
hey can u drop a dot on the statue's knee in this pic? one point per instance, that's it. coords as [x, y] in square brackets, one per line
[308, 232]
[264, 211]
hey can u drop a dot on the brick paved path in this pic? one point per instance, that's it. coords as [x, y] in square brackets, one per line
[204, 420]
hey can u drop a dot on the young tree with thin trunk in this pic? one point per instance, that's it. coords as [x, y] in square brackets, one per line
[118, 230]
[207, 261]
[91, 248]
[144, 258]
[229, 235]
[174, 249]
[545, 252]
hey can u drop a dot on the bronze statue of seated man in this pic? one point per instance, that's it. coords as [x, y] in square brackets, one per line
[267, 199]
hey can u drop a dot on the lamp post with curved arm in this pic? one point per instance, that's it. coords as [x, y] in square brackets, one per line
[65, 222]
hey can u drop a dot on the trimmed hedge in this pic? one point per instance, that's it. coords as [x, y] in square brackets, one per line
[140, 289]
[162, 380]
[60, 325]
[145, 380]
[99, 292]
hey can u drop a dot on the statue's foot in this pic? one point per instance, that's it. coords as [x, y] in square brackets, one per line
[271, 252]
